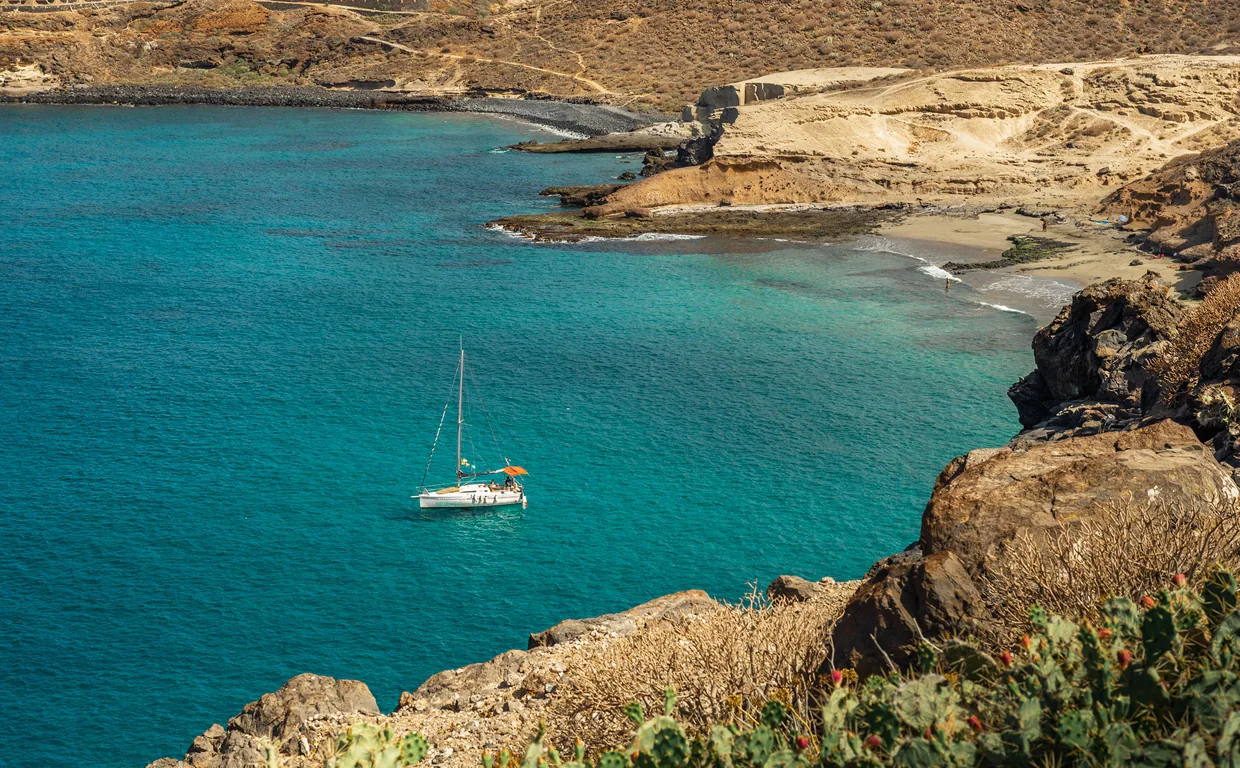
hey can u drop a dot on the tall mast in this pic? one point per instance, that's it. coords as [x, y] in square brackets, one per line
[460, 416]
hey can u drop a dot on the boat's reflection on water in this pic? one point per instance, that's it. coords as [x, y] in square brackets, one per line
[495, 517]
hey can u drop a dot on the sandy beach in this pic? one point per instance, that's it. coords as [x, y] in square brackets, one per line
[1098, 253]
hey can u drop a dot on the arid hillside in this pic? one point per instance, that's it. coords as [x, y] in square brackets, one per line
[654, 53]
[1050, 135]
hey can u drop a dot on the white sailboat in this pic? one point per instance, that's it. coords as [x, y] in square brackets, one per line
[479, 492]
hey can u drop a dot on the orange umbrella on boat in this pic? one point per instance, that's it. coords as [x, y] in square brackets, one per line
[514, 471]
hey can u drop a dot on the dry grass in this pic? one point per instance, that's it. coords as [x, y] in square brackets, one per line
[1179, 366]
[662, 53]
[723, 666]
[1130, 549]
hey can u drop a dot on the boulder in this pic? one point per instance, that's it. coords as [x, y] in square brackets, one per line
[979, 502]
[278, 718]
[679, 604]
[720, 97]
[904, 598]
[279, 715]
[793, 589]
[988, 497]
[456, 688]
[755, 92]
[206, 745]
[168, 762]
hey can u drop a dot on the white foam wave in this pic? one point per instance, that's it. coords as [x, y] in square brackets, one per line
[1003, 308]
[938, 273]
[880, 244]
[645, 237]
[509, 233]
[1050, 293]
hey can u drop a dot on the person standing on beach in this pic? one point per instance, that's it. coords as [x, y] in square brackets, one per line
[947, 288]
[1043, 224]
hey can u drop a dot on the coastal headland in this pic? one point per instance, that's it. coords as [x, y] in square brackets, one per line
[1113, 170]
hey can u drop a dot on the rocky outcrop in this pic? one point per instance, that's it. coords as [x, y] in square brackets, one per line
[678, 605]
[988, 497]
[581, 195]
[1099, 430]
[1093, 360]
[279, 719]
[794, 589]
[1097, 369]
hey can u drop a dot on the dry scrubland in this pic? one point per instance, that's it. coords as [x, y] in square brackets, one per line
[653, 54]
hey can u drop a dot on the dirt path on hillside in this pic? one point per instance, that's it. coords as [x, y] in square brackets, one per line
[595, 86]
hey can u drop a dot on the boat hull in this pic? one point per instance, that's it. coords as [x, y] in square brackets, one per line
[470, 500]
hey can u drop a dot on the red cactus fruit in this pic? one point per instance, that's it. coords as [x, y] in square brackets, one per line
[1148, 602]
[873, 742]
[837, 677]
[1179, 580]
[1124, 657]
[975, 723]
[802, 743]
[1006, 658]
[1104, 634]
[1026, 642]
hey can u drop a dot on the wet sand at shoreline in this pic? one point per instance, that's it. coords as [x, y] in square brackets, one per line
[1099, 252]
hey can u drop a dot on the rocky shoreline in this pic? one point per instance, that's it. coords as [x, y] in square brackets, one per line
[577, 225]
[583, 117]
[1100, 435]
[479, 707]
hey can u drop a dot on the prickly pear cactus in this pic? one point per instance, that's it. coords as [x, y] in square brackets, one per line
[1158, 683]
[366, 745]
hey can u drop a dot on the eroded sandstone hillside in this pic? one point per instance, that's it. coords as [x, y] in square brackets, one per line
[1059, 134]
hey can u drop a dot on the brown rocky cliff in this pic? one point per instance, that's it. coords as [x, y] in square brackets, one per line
[1098, 432]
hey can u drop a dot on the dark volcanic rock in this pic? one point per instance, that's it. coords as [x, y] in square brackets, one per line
[905, 598]
[581, 195]
[1092, 360]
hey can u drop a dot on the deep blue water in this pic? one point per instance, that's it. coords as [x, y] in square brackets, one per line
[226, 338]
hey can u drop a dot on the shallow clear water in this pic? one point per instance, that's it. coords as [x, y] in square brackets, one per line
[226, 338]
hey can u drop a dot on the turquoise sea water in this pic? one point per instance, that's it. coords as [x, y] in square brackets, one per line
[226, 338]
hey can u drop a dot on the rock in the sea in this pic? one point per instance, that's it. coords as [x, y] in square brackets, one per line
[688, 603]
[793, 589]
[276, 718]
